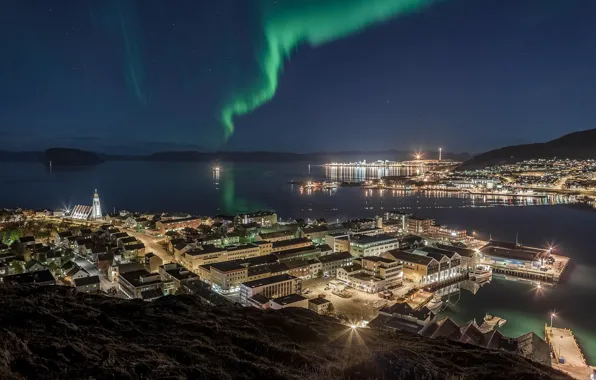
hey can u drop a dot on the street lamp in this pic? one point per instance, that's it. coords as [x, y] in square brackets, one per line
[552, 315]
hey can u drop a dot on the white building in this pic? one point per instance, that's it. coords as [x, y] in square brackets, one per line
[96, 212]
[372, 245]
[271, 287]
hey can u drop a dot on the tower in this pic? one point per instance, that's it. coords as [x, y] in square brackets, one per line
[96, 211]
[440, 153]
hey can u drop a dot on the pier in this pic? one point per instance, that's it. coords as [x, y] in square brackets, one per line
[567, 354]
[523, 262]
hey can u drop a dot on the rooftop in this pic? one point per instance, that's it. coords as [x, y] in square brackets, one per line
[268, 280]
[410, 257]
[290, 242]
[260, 299]
[335, 256]
[365, 239]
[29, 278]
[514, 252]
[140, 277]
[228, 266]
[466, 252]
[289, 299]
[89, 280]
[318, 301]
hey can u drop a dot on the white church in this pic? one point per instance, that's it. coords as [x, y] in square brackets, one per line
[85, 212]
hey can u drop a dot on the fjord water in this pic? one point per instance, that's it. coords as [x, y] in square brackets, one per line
[196, 188]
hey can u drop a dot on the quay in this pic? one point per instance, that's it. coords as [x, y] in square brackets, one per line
[532, 264]
[568, 356]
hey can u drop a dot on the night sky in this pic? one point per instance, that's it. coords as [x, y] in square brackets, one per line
[123, 76]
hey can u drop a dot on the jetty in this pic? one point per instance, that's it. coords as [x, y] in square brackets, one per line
[567, 354]
[491, 322]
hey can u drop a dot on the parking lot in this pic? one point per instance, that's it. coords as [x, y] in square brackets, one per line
[360, 306]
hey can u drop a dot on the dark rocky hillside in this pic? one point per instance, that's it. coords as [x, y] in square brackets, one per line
[577, 145]
[51, 333]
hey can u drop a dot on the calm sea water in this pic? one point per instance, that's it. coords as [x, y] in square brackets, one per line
[195, 188]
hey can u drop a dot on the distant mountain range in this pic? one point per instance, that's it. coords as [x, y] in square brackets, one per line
[77, 157]
[576, 145]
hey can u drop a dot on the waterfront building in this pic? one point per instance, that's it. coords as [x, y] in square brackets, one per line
[504, 253]
[363, 246]
[416, 268]
[449, 261]
[468, 257]
[447, 233]
[271, 287]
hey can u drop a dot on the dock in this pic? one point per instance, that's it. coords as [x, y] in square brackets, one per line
[567, 353]
[491, 322]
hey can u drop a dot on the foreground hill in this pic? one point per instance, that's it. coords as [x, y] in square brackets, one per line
[51, 333]
[577, 145]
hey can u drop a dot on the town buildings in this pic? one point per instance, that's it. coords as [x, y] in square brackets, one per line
[140, 284]
[164, 226]
[271, 287]
[362, 245]
[417, 225]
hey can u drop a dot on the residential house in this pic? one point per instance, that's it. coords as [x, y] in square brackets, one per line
[104, 262]
[319, 305]
[177, 274]
[152, 262]
[43, 277]
[61, 238]
[75, 273]
[133, 283]
[34, 266]
[89, 284]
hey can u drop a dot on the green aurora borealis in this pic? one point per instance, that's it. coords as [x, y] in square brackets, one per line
[288, 24]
